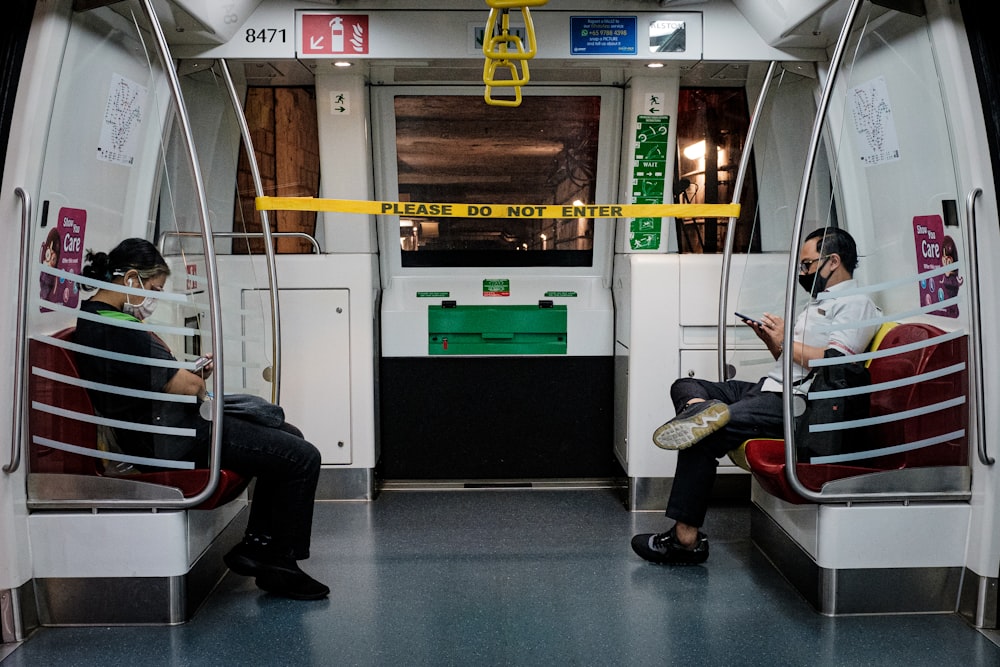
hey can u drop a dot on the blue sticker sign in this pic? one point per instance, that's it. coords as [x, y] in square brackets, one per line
[603, 35]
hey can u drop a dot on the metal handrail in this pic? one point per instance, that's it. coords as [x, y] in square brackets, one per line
[265, 225]
[977, 345]
[789, 311]
[239, 235]
[22, 316]
[215, 313]
[727, 253]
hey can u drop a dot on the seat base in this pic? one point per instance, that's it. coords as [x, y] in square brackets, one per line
[848, 565]
[140, 600]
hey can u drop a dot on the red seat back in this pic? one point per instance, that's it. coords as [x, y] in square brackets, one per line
[67, 430]
[46, 391]
[925, 424]
[766, 457]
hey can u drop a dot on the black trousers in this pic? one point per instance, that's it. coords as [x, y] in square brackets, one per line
[752, 414]
[287, 470]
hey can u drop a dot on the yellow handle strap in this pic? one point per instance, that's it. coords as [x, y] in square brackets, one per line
[496, 43]
[501, 48]
[510, 4]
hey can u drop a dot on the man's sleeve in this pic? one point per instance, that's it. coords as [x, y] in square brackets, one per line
[850, 338]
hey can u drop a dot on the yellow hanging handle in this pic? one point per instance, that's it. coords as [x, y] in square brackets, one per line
[504, 50]
[496, 43]
[515, 82]
[510, 4]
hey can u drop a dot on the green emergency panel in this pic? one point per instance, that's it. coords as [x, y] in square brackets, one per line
[527, 329]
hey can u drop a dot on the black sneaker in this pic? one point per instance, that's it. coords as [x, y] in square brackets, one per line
[664, 549]
[297, 585]
[694, 422]
[251, 559]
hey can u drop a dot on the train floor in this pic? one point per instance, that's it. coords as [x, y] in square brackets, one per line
[517, 577]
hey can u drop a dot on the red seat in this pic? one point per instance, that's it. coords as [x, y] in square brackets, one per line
[766, 457]
[44, 459]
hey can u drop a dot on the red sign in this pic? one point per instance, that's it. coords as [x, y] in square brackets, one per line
[334, 34]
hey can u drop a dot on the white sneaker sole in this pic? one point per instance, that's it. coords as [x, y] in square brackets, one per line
[682, 433]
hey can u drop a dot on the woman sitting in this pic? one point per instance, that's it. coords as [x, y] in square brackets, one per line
[285, 464]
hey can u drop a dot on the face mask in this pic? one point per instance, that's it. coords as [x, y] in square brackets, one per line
[145, 307]
[813, 283]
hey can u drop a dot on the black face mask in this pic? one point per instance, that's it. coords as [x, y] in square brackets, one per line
[814, 283]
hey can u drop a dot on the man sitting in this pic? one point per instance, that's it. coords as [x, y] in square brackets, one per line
[714, 418]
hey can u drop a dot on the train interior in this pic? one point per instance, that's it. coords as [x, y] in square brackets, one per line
[483, 387]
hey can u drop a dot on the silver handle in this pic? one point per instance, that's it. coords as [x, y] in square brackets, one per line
[977, 338]
[211, 268]
[727, 255]
[22, 281]
[265, 225]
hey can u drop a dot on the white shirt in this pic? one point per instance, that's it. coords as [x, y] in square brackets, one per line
[844, 323]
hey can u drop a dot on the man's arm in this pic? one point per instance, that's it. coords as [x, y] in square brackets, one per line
[772, 333]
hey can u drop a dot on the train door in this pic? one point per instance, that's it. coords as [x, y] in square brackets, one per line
[496, 348]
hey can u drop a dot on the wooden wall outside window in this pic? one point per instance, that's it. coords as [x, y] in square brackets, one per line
[285, 136]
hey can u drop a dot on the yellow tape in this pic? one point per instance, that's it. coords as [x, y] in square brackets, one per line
[424, 210]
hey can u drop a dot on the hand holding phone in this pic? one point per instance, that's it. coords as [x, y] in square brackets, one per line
[201, 362]
[748, 319]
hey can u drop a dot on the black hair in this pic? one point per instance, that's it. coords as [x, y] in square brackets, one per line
[130, 255]
[836, 240]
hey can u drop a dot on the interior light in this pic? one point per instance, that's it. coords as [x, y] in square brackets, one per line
[342, 63]
[404, 222]
[654, 65]
[577, 202]
[695, 151]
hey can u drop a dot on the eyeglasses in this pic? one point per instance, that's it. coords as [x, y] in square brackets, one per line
[806, 263]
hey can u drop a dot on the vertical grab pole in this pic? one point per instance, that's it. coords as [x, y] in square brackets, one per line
[727, 254]
[792, 283]
[977, 327]
[211, 266]
[22, 315]
[272, 270]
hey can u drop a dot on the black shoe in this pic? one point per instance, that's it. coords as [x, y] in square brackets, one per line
[297, 586]
[663, 548]
[694, 422]
[251, 558]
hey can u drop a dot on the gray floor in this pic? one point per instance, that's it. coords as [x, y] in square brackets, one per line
[517, 577]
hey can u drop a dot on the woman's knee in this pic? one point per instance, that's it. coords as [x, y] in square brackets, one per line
[293, 429]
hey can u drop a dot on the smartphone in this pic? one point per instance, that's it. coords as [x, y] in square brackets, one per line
[200, 363]
[747, 318]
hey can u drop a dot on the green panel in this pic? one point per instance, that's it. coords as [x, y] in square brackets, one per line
[496, 330]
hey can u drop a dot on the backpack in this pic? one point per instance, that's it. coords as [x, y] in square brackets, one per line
[810, 442]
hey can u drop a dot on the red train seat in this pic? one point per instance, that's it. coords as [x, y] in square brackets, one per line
[765, 458]
[65, 429]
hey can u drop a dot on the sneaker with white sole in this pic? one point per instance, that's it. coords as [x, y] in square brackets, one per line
[665, 549]
[694, 422]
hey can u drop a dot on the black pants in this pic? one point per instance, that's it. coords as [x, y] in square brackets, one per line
[752, 414]
[287, 470]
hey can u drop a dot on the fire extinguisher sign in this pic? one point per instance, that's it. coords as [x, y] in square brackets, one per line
[334, 34]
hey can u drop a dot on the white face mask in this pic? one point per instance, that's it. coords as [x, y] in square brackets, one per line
[145, 307]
